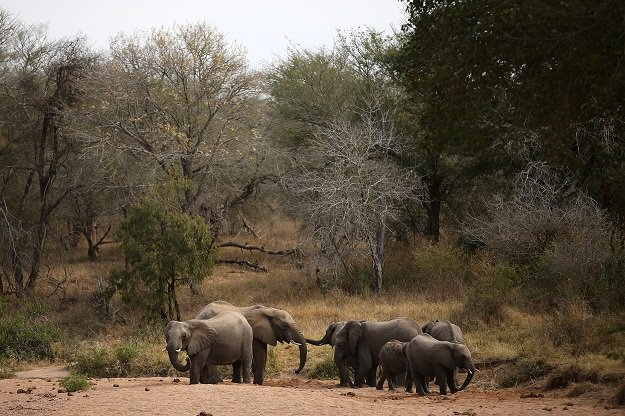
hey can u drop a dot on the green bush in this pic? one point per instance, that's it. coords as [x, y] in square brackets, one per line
[164, 249]
[75, 382]
[126, 359]
[28, 338]
[324, 370]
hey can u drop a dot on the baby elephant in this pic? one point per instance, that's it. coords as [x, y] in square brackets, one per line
[429, 357]
[393, 362]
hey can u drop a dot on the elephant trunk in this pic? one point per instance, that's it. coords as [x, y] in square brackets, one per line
[303, 351]
[322, 341]
[175, 362]
[470, 374]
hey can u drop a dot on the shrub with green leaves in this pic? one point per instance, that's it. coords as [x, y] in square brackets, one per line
[324, 370]
[164, 250]
[75, 382]
[27, 338]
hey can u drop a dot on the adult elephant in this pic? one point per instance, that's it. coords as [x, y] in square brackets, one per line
[445, 331]
[329, 338]
[363, 340]
[428, 357]
[225, 338]
[269, 326]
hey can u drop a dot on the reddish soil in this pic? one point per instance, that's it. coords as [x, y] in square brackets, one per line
[280, 396]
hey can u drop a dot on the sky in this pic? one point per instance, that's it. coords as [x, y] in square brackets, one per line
[265, 28]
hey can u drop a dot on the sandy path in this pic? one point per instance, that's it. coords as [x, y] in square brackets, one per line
[284, 396]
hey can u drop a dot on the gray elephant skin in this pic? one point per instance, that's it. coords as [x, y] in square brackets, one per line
[429, 357]
[363, 340]
[393, 361]
[269, 326]
[445, 331]
[329, 338]
[223, 339]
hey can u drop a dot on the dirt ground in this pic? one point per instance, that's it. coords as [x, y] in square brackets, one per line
[36, 392]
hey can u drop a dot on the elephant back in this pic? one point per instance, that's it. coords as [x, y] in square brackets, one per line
[446, 331]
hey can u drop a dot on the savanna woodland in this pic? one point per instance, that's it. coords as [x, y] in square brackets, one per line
[470, 167]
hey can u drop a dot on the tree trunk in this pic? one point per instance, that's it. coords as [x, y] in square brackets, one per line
[433, 182]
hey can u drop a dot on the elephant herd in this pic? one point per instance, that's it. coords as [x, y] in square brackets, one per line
[224, 334]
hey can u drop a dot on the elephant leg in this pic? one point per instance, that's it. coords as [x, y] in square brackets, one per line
[441, 378]
[204, 376]
[344, 377]
[371, 376]
[408, 383]
[212, 374]
[196, 369]
[392, 381]
[451, 380]
[419, 380]
[259, 352]
[236, 372]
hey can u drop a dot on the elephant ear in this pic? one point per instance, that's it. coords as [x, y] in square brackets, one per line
[443, 353]
[203, 336]
[354, 333]
[261, 325]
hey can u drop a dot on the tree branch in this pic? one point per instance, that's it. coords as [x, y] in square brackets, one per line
[246, 263]
[259, 248]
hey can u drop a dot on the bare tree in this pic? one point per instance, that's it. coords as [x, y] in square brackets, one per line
[347, 186]
[38, 85]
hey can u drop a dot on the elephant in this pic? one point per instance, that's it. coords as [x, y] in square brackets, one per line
[445, 331]
[363, 340]
[429, 357]
[393, 361]
[330, 339]
[225, 338]
[269, 326]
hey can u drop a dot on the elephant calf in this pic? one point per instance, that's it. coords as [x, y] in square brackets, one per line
[223, 339]
[393, 362]
[429, 357]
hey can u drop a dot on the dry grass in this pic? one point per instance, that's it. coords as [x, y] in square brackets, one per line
[517, 337]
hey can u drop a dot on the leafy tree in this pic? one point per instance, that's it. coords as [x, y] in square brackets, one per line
[164, 251]
[186, 106]
[541, 80]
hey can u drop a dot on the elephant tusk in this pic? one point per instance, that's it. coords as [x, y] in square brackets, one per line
[296, 343]
[469, 371]
[179, 349]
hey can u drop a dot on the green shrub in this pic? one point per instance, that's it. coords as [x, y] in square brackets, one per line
[92, 359]
[164, 249]
[126, 359]
[324, 370]
[28, 338]
[75, 382]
